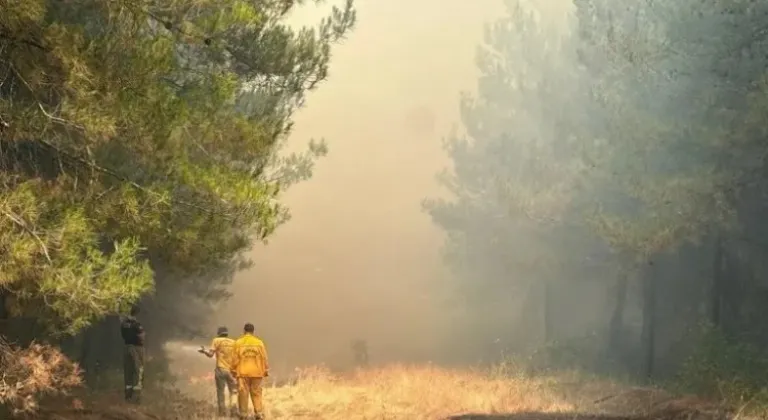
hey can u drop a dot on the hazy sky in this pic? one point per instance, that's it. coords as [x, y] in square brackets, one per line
[360, 258]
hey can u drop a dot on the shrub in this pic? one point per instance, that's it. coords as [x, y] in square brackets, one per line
[587, 353]
[724, 368]
[32, 373]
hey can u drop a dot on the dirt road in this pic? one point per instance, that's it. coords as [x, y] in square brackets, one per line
[419, 393]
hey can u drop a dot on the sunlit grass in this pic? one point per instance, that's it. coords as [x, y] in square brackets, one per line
[423, 392]
[418, 392]
[408, 392]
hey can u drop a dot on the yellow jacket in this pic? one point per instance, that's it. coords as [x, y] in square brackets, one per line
[223, 348]
[249, 359]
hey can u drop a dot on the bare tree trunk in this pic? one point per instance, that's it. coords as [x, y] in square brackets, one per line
[4, 314]
[648, 335]
[617, 316]
[716, 292]
[548, 322]
[87, 356]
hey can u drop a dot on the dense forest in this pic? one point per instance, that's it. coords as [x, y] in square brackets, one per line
[607, 192]
[606, 195]
[140, 148]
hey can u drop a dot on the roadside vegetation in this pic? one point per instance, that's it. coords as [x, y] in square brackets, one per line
[140, 156]
[605, 213]
[607, 191]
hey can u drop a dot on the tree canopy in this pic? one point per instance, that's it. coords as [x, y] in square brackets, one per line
[516, 166]
[635, 136]
[142, 134]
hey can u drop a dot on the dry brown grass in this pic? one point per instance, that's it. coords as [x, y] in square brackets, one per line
[436, 393]
[408, 392]
[412, 393]
[416, 392]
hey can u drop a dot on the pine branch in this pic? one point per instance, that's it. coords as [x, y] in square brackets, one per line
[20, 222]
[32, 43]
[99, 168]
[134, 184]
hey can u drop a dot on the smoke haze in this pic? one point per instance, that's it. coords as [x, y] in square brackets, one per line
[359, 258]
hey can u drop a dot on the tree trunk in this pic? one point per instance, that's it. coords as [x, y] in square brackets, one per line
[548, 326]
[648, 335]
[4, 314]
[86, 358]
[99, 349]
[716, 291]
[616, 324]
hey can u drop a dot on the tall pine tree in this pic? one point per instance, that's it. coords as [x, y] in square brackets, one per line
[140, 136]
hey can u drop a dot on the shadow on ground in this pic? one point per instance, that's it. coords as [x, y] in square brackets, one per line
[666, 414]
[540, 416]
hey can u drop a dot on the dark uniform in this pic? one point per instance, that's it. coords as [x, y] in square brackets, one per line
[133, 358]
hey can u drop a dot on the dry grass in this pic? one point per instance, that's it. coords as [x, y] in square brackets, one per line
[411, 393]
[417, 392]
[435, 393]
[403, 392]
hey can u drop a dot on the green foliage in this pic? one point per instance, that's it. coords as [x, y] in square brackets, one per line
[513, 182]
[137, 133]
[660, 159]
[56, 264]
[726, 369]
[640, 132]
[585, 353]
[676, 85]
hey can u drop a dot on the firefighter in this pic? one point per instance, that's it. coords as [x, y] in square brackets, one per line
[133, 358]
[222, 347]
[250, 366]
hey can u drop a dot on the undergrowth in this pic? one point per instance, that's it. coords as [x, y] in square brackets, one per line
[728, 374]
[31, 373]
[727, 370]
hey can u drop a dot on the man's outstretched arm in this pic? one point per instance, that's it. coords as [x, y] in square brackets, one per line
[209, 352]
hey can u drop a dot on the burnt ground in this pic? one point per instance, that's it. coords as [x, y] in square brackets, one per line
[692, 415]
[161, 405]
[539, 416]
[685, 408]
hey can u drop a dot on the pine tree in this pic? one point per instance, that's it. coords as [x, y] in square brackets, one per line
[139, 135]
[513, 216]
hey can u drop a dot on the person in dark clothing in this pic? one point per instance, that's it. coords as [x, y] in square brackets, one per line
[133, 358]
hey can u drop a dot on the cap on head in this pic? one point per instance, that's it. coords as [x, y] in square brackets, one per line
[222, 331]
[249, 328]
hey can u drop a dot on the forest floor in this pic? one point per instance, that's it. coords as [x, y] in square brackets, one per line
[417, 393]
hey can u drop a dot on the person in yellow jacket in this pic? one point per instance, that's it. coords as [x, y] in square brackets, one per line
[250, 366]
[223, 348]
